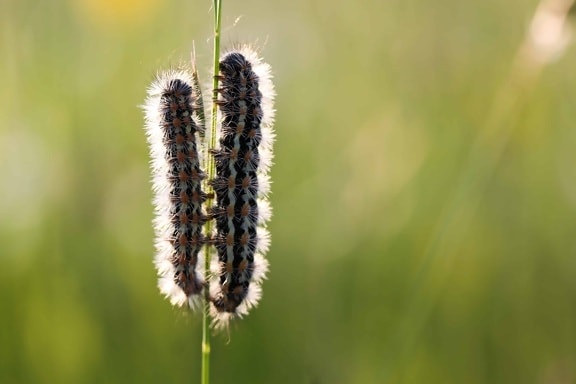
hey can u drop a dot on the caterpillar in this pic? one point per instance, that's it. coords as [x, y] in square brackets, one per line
[171, 114]
[242, 159]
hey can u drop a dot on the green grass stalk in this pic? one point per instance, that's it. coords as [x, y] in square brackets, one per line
[209, 203]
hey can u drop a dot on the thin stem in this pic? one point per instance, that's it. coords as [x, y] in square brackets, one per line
[210, 201]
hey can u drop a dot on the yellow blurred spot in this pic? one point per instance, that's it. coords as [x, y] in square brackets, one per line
[124, 13]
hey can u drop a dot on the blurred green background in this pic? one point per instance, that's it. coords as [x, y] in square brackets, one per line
[409, 245]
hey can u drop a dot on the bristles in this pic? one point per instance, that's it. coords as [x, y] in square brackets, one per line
[199, 105]
[172, 130]
[175, 128]
[241, 185]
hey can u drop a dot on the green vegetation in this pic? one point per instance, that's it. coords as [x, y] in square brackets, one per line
[424, 196]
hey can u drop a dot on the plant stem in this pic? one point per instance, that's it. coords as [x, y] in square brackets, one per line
[205, 379]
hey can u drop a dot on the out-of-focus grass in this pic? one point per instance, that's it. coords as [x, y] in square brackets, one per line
[379, 104]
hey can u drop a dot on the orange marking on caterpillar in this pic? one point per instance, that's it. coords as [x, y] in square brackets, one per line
[248, 156]
[181, 156]
[244, 239]
[183, 240]
[243, 265]
[234, 154]
[240, 127]
[246, 182]
[184, 199]
[183, 176]
[245, 211]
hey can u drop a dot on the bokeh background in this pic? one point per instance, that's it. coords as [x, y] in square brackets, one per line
[424, 195]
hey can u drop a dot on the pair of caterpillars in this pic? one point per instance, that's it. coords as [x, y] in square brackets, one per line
[174, 115]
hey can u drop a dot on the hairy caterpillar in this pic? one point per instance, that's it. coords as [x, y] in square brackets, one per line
[172, 131]
[175, 128]
[242, 161]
